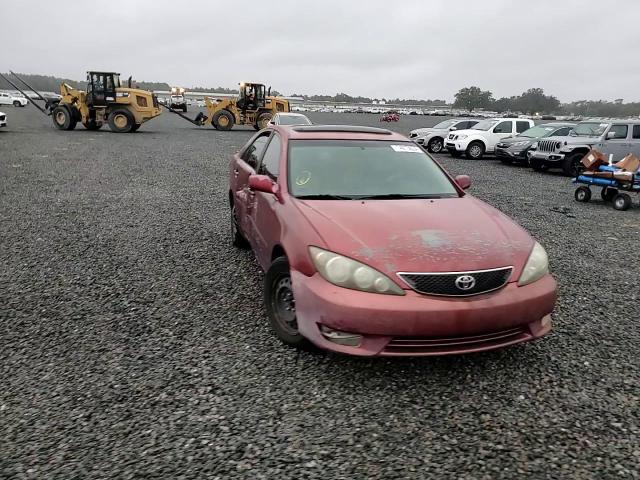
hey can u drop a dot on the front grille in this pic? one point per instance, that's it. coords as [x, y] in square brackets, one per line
[426, 345]
[458, 283]
[547, 145]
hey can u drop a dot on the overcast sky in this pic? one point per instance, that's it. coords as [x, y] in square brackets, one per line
[378, 48]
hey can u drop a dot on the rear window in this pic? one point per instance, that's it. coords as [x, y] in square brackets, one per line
[364, 168]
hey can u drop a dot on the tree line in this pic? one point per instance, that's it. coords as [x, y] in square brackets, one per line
[535, 101]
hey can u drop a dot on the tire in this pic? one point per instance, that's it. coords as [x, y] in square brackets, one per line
[62, 118]
[280, 304]
[92, 125]
[582, 194]
[263, 120]
[621, 201]
[237, 238]
[435, 145]
[475, 150]
[608, 193]
[136, 127]
[16, 103]
[571, 165]
[121, 121]
[223, 120]
[537, 165]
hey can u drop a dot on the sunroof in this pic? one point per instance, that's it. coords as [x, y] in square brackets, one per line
[341, 128]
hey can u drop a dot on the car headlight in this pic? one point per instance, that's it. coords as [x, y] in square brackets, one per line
[520, 144]
[461, 137]
[537, 266]
[348, 273]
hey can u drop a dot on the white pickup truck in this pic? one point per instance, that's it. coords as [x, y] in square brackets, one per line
[484, 136]
[11, 99]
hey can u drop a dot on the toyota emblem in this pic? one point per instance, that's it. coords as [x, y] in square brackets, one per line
[465, 282]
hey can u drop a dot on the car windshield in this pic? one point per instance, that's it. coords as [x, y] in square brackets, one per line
[484, 125]
[538, 131]
[588, 129]
[446, 124]
[293, 120]
[359, 169]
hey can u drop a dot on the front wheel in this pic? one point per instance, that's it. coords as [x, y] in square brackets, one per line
[621, 201]
[281, 304]
[263, 120]
[223, 120]
[582, 194]
[475, 151]
[435, 145]
[572, 165]
[16, 103]
[63, 119]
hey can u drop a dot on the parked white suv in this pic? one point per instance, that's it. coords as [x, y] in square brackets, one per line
[10, 99]
[433, 138]
[484, 136]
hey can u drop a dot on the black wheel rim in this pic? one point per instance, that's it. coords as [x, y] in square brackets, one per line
[284, 305]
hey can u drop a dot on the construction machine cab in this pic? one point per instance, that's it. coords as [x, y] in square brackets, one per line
[252, 96]
[101, 88]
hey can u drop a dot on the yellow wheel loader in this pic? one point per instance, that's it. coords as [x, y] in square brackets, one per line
[105, 101]
[254, 106]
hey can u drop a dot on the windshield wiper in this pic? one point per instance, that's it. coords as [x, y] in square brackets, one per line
[394, 196]
[324, 196]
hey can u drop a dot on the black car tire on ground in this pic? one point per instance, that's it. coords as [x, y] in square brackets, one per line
[475, 150]
[237, 238]
[16, 103]
[121, 121]
[263, 120]
[621, 201]
[435, 145]
[280, 304]
[62, 118]
[608, 193]
[537, 165]
[223, 120]
[571, 165]
[582, 194]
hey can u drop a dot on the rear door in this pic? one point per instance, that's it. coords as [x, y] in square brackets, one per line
[243, 165]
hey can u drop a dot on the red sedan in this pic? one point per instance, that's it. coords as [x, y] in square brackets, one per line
[371, 248]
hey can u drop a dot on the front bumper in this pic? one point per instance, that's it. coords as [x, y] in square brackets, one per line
[455, 146]
[422, 325]
[545, 156]
[512, 154]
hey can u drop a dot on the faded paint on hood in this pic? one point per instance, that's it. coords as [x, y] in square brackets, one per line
[440, 235]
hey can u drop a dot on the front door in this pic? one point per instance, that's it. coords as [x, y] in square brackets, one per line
[101, 89]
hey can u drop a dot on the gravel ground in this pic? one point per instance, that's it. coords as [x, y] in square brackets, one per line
[134, 342]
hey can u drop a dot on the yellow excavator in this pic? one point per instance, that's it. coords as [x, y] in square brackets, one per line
[125, 109]
[254, 106]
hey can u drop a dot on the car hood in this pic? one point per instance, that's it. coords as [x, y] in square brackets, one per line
[418, 235]
[574, 140]
[512, 140]
[468, 131]
[421, 132]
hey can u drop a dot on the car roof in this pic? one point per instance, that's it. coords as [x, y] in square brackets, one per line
[292, 114]
[557, 124]
[337, 132]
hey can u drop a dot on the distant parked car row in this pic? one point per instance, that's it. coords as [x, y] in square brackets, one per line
[516, 140]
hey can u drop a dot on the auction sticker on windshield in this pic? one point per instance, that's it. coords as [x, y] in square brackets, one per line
[406, 148]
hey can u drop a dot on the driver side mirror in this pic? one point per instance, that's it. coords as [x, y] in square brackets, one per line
[463, 181]
[453, 128]
[611, 135]
[262, 183]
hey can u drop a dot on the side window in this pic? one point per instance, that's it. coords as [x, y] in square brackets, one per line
[619, 130]
[636, 131]
[252, 154]
[522, 126]
[562, 132]
[502, 127]
[271, 160]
